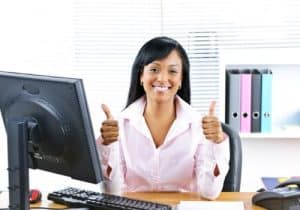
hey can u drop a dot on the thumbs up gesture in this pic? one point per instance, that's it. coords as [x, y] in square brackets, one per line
[109, 129]
[211, 125]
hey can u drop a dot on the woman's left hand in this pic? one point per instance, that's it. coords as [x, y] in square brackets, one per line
[211, 126]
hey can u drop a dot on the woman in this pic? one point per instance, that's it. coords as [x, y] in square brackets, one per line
[157, 144]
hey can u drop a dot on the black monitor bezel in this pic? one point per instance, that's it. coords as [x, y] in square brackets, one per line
[21, 128]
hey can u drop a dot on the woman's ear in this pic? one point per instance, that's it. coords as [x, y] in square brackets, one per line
[141, 78]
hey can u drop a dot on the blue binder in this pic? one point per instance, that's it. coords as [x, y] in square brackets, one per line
[266, 101]
[232, 114]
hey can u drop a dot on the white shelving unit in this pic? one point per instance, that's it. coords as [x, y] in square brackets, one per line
[285, 97]
[274, 154]
[268, 136]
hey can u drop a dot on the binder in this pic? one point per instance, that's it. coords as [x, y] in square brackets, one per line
[245, 101]
[255, 101]
[232, 106]
[266, 101]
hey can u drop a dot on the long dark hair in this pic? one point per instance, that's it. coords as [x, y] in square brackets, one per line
[156, 49]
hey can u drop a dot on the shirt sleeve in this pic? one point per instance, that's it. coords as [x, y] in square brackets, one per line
[208, 156]
[107, 156]
[111, 158]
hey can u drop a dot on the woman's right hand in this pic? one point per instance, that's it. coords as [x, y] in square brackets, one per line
[110, 128]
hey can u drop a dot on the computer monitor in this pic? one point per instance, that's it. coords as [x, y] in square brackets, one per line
[48, 127]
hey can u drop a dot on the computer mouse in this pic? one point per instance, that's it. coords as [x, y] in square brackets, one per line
[35, 196]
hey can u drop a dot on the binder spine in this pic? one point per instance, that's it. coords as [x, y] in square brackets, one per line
[266, 104]
[245, 101]
[232, 114]
[256, 101]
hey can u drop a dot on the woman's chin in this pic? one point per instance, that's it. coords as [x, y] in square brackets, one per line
[163, 99]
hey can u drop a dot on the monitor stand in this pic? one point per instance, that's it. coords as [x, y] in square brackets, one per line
[18, 132]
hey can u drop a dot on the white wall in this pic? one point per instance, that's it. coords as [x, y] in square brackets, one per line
[36, 37]
[41, 43]
[273, 154]
[267, 157]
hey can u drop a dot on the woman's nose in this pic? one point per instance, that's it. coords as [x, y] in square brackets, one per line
[162, 76]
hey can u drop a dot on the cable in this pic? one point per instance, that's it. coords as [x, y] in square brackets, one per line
[41, 207]
[49, 208]
[68, 208]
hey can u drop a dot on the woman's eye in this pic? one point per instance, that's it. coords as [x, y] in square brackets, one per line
[173, 71]
[153, 69]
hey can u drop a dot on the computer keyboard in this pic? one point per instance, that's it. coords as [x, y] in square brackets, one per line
[79, 198]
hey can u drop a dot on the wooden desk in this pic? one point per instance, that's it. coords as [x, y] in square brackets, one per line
[167, 198]
[175, 198]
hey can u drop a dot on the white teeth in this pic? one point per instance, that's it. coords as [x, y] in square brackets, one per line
[160, 89]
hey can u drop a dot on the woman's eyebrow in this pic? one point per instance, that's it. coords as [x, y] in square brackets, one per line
[158, 64]
[154, 63]
[177, 64]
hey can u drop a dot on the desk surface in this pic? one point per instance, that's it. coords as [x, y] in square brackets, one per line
[167, 198]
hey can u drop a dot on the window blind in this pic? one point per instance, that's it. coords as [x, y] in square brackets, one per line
[107, 37]
[98, 40]
[208, 28]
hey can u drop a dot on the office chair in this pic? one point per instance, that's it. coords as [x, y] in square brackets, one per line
[233, 178]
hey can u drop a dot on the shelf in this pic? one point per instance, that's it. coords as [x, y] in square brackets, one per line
[285, 103]
[273, 135]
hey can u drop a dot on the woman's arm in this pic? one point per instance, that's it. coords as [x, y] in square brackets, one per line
[212, 164]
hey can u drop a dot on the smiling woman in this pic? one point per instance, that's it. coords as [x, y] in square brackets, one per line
[164, 129]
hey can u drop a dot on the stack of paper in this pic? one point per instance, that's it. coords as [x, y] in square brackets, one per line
[210, 205]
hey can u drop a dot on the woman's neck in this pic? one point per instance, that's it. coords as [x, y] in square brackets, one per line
[159, 118]
[160, 110]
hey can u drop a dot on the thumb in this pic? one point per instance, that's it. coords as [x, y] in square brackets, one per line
[107, 112]
[212, 108]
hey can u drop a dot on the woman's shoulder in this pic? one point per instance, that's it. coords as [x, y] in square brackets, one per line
[134, 109]
[186, 111]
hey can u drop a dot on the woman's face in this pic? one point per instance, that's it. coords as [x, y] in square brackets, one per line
[161, 79]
